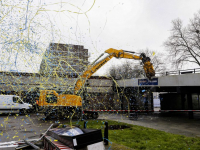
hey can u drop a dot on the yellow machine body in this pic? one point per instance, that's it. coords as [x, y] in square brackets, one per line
[52, 98]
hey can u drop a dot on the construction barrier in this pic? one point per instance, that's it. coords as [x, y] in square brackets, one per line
[142, 110]
[178, 110]
[124, 110]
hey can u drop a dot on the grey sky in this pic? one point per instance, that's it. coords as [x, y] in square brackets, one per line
[127, 24]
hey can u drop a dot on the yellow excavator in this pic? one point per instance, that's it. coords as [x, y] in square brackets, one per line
[67, 105]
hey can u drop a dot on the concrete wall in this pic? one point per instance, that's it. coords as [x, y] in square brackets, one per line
[175, 80]
[100, 101]
[99, 89]
[26, 82]
[100, 82]
[64, 59]
[100, 94]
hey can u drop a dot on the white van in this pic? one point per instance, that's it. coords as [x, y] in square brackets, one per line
[12, 104]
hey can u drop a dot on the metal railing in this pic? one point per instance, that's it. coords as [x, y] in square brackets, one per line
[179, 72]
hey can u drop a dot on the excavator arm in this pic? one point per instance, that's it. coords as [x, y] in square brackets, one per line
[98, 63]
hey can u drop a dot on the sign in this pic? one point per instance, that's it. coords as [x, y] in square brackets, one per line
[153, 81]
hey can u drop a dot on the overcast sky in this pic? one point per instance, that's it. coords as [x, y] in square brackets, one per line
[98, 25]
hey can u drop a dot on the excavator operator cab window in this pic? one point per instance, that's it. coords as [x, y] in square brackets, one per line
[50, 98]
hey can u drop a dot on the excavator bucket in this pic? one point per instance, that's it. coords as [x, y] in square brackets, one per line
[149, 70]
[148, 66]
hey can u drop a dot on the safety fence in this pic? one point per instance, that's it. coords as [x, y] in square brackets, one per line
[179, 110]
[121, 110]
[142, 110]
[179, 72]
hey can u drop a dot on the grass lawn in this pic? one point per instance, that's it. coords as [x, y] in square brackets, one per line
[142, 138]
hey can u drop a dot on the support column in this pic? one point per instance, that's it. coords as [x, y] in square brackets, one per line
[146, 100]
[151, 95]
[189, 99]
[121, 98]
[182, 101]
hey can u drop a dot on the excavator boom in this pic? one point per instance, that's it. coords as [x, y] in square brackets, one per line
[92, 68]
[66, 105]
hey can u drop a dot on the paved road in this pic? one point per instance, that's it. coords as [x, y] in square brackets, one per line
[177, 123]
[19, 127]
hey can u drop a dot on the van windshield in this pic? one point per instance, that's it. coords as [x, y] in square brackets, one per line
[17, 100]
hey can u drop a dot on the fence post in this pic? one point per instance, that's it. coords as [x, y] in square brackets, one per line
[85, 126]
[106, 134]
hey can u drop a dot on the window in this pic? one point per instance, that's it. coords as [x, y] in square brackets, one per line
[17, 100]
[50, 98]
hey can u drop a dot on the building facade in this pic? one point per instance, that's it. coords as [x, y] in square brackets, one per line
[60, 67]
[64, 60]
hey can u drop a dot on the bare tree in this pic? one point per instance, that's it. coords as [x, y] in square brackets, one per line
[126, 70]
[113, 72]
[184, 42]
[129, 70]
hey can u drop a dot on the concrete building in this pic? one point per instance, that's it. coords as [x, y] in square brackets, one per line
[100, 94]
[65, 60]
[60, 67]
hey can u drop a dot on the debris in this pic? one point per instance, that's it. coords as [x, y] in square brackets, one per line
[31, 144]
